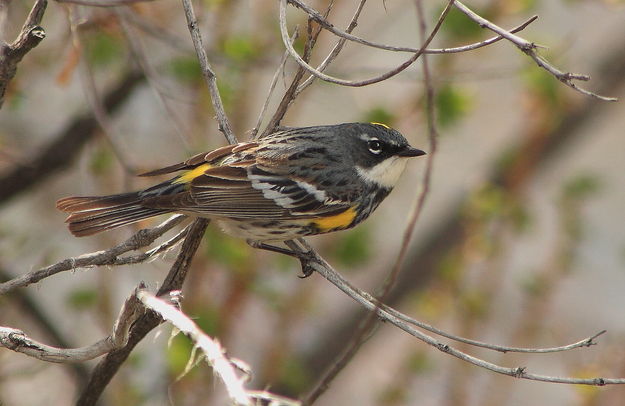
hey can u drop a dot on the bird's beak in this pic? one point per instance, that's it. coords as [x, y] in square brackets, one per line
[410, 152]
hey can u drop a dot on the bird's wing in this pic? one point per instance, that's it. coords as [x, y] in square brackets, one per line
[203, 158]
[242, 190]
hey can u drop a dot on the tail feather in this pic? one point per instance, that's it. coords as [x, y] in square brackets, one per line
[93, 214]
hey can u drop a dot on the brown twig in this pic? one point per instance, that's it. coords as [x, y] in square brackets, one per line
[529, 48]
[314, 261]
[289, 95]
[369, 324]
[93, 99]
[141, 238]
[103, 3]
[108, 367]
[208, 73]
[29, 37]
[354, 83]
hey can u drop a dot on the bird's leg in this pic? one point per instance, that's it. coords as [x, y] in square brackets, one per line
[305, 257]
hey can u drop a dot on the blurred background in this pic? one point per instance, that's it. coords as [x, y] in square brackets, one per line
[521, 241]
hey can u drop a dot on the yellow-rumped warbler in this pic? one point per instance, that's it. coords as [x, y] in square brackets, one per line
[289, 184]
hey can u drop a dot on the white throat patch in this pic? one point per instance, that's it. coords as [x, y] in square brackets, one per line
[386, 173]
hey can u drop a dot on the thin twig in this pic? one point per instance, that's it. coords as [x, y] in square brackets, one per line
[141, 238]
[272, 86]
[338, 47]
[529, 48]
[369, 302]
[103, 3]
[108, 367]
[427, 175]
[212, 351]
[16, 340]
[289, 94]
[352, 83]
[151, 74]
[208, 73]
[29, 37]
[91, 93]
[348, 36]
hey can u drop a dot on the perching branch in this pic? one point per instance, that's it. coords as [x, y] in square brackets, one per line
[315, 262]
[108, 367]
[29, 37]
[141, 238]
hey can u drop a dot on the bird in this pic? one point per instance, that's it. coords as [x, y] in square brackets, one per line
[295, 182]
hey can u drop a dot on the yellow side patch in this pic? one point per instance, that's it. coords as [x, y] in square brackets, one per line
[187, 177]
[383, 125]
[338, 221]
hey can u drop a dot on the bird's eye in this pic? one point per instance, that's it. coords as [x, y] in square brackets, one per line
[375, 146]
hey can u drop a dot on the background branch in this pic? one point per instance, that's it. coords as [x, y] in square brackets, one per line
[65, 145]
[29, 37]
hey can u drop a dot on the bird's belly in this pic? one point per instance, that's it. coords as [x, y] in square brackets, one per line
[265, 230]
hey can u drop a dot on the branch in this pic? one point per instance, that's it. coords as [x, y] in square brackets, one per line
[529, 48]
[315, 15]
[370, 303]
[17, 341]
[141, 238]
[212, 351]
[351, 83]
[103, 3]
[65, 145]
[108, 367]
[11, 54]
[208, 73]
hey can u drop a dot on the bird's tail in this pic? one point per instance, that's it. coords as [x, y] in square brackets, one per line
[93, 214]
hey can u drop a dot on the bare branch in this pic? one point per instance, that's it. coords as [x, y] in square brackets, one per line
[29, 37]
[91, 93]
[210, 348]
[108, 367]
[16, 340]
[369, 302]
[208, 73]
[529, 48]
[314, 14]
[151, 74]
[103, 3]
[335, 50]
[272, 86]
[427, 174]
[343, 82]
[141, 238]
[65, 145]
